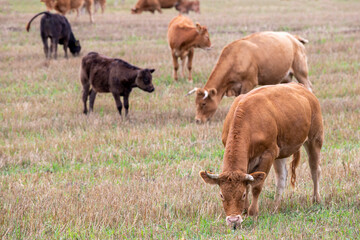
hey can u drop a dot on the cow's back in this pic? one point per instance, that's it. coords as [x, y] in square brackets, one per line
[273, 53]
[97, 69]
[287, 114]
[55, 26]
[167, 3]
[178, 27]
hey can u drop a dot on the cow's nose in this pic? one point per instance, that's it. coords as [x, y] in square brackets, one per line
[198, 121]
[233, 220]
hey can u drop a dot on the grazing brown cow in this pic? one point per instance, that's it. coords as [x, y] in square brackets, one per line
[152, 5]
[113, 75]
[64, 6]
[263, 128]
[262, 58]
[184, 6]
[183, 37]
[157, 5]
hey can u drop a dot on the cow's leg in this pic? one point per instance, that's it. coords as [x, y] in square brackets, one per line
[92, 99]
[267, 158]
[126, 104]
[313, 151]
[103, 5]
[287, 78]
[249, 80]
[183, 60]
[88, 9]
[189, 63]
[281, 175]
[86, 88]
[54, 43]
[46, 46]
[158, 8]
[301, 70]
[51, 48]
[65, 48]
[176, 65]
[246, 86]
[118, 102]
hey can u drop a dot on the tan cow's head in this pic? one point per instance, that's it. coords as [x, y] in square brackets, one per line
[203, 38]
[135, 11]
[233, 192]
[206, 103]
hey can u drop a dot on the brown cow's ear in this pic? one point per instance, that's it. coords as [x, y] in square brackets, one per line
[208, 179]
[212, 92]
[198, 27]
[152, 70]
[259, 178]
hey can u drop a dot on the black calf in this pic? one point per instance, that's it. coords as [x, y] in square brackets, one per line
[58, 29]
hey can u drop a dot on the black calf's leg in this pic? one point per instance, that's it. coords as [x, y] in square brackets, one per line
[92, 99]
[118, 102]
[46, 46]
[85, 96]
[126, 104]
[54, 43]
[65, 48]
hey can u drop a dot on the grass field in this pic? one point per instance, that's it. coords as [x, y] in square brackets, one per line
[64, 175]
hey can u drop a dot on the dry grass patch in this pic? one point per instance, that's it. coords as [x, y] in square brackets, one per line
[64, 175]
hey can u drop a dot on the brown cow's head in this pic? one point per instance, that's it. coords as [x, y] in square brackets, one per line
[233, 187]
[203, 38]
[135, 11]
[144, 80]
[206, 104]
[195, 6]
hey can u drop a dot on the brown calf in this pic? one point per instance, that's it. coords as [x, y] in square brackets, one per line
[113, 75]
[183, 37]
[262, 129]
[262, 58]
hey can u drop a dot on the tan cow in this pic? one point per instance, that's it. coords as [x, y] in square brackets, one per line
[64, 6]
[183, 36]
[262, 58]
[263, 128]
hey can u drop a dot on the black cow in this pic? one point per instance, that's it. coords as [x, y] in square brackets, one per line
[113, 75]
[58, 29]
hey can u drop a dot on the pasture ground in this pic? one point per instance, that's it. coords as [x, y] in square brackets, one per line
[64, 175]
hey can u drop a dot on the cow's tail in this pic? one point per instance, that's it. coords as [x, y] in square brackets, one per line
[28, 24]
[294, 165]
[301, 39]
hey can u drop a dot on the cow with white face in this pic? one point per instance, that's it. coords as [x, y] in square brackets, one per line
[261, 130]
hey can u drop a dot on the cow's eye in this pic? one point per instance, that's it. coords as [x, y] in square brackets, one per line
[222, 197]
[203, 104]
[244, 195]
